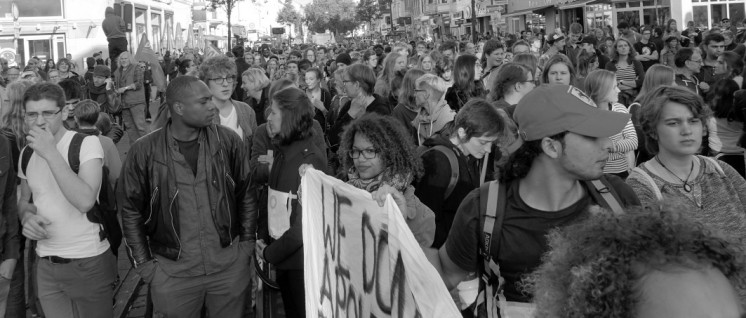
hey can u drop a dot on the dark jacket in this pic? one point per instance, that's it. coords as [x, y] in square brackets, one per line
[147, 191]
[241, 66]
[432, 186]
[287, 251]
[9, 222]
[379, 105]
[260, 107]
[320, 116]
[113, 25]
[456, 98]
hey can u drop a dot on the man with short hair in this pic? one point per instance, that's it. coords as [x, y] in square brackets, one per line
[647, 51]
[572, 48]
[554, 179]
[188, 213]
[712, 46]
[114, 29]
[448, 49]
[626, 32]
[688, 64]
[77, 269]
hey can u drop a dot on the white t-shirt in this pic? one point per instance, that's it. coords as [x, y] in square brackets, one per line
[232, 122]
[71, 235]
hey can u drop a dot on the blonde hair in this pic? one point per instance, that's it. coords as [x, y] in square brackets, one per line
[598, 84]
[657, 75]
[257, 77]
[431, 82]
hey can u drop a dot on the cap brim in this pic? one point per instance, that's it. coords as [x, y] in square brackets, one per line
[601, 124]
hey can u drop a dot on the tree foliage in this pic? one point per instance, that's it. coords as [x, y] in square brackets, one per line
[228, 6]
[288, 15]
[338, 16]
[367, 10]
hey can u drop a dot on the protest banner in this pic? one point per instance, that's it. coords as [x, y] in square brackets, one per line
[361, 260]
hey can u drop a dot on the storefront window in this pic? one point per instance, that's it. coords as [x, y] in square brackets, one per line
[155, 19]
[32, 8]
[736, 13]
[632, 17]
[140, 24]
[718, 11]
[656, 16]
[598, 16]
[700, 16]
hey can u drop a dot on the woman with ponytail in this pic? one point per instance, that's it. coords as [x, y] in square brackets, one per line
[513, 81]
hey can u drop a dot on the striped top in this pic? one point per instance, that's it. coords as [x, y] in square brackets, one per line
[622, 142]
[626, 73]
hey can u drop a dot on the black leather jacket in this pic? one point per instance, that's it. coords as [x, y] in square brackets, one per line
[148, 192]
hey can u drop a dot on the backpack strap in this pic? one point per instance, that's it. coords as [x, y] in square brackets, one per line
[73, 153]
[649, 179]
[453, 161]
[492, 197]
[714, 163]
[25, 157]
[605, 196]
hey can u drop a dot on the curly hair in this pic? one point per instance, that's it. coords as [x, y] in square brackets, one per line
[220, 65]
[652, 107]
[520, 162]
[389, 138]
[615, 55]
[595, 268]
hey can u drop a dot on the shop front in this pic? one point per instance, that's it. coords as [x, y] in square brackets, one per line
[708, 14]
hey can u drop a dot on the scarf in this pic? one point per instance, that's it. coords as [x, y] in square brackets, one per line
[399, 182]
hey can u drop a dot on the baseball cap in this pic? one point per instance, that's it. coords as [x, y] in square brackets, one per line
[589, 39]
[551, 109]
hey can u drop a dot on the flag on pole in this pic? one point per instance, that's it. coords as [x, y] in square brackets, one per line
[210, 50]
[145, 53]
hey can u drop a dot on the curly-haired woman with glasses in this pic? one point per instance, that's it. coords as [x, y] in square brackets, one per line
[219, 73]
[379, 158]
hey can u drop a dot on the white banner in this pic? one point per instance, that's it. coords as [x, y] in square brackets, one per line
[361, 260]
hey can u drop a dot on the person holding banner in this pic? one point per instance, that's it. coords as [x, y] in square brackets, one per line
[554, 179]
[291, 123]
[379, 158]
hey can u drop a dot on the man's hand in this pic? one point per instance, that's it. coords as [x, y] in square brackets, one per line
[7, 267]
[33, 226]
[42, 142]
[704, 87]
[260, 246]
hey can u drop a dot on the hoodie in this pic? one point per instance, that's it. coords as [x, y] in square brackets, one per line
[113, 25]
[428, 124]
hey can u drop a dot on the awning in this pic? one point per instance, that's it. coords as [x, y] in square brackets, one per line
[574, 4]
[526, 11]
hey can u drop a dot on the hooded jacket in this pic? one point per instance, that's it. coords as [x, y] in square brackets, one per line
[428, 124]
[113, 25]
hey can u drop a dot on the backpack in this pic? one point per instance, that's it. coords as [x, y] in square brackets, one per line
[453, 161]
[491, 284]
[104, 211]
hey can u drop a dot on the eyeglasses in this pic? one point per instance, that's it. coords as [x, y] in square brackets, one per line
[697, 61]
[47, 114]
[368, 153]
[221, 80]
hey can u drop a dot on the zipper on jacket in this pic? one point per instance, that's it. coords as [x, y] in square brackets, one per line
[172, 223]
[152, 199]
[227, 205]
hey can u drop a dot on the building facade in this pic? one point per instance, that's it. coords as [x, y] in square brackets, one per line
[552, 14]
[432, 19]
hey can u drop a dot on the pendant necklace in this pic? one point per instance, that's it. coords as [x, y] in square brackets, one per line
[687, 186]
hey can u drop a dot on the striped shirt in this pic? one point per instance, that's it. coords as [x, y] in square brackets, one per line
[622, 142]
[626, 73]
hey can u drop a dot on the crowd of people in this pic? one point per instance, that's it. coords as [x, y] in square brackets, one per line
[573, 174]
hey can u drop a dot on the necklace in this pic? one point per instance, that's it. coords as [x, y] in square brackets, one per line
[687, 187]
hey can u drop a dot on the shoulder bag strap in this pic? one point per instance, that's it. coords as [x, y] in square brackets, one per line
[715, 163]
[646, 176]
[73, 152]
[604, 193]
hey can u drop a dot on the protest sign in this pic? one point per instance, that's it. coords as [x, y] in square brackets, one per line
[361, 260]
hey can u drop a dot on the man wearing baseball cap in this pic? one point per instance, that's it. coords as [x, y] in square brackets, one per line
[554, 179]
[556, 43]
[589, 43]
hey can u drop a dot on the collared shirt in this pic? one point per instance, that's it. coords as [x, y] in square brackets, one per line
[201, 253]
